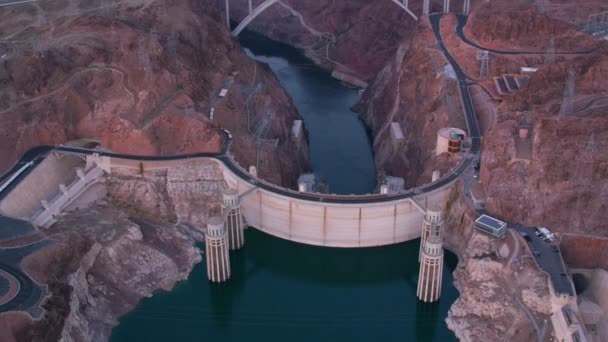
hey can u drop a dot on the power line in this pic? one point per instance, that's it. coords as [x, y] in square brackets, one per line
[550, 56]
[569, 92]
[484, 68]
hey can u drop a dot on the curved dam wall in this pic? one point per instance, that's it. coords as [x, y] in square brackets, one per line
[309, 221]
[332, 224]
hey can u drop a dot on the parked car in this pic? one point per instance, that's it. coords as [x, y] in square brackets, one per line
[525, 236]
[536, 253]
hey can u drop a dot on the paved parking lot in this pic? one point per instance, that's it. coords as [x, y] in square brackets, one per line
[549, 258]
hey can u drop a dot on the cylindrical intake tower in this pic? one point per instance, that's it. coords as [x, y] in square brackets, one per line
[431, 270]
[433, 216]
[216, 245]
[231, 207]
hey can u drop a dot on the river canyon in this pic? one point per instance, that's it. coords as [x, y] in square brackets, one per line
[142, 77]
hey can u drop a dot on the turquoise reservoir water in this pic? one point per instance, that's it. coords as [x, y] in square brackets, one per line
[284, 291]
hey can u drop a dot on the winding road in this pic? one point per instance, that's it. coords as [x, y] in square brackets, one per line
[462, 21]
[28, 294]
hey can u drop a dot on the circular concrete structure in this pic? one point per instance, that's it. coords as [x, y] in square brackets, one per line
[444, 137]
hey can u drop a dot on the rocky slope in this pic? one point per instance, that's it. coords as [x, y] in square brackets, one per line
[565, 184]
[487, 309]
[525, 29]
[339, 35]
[113, 252]
[140, 75]
[415, 91]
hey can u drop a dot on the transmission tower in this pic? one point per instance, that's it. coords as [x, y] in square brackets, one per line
[528, 117]
[105, 9]
[163, 8]
[426, 7]
[260, 128]
[37, 46]
[591, 143]
[484, 58]
[436, 65]
[466, 8]
[569, 92]
[550, 56]
[540, 4]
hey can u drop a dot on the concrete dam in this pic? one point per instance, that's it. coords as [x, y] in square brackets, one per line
[316, 219]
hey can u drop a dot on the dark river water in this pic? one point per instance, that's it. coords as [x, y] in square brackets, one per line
[340, 147]
[285, 291]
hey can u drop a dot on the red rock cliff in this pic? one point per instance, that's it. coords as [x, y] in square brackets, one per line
[413, 91]
[355, 37]
[137, 76]
[564, 185]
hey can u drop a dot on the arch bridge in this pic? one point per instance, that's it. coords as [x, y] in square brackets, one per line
[254, 11]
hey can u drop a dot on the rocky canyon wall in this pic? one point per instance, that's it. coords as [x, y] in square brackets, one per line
[353, 37]
[500, 286]
[565, 182]
[115, 251]
[415, 91]
[141, 76]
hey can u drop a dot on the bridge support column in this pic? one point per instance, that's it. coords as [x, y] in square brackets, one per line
[250, 7]
[446, 6]
[216, 250]
[231, 207]
[426, 8]
[431, 257]
[228, 13]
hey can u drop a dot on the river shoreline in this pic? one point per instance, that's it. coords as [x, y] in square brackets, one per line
[340, 143]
